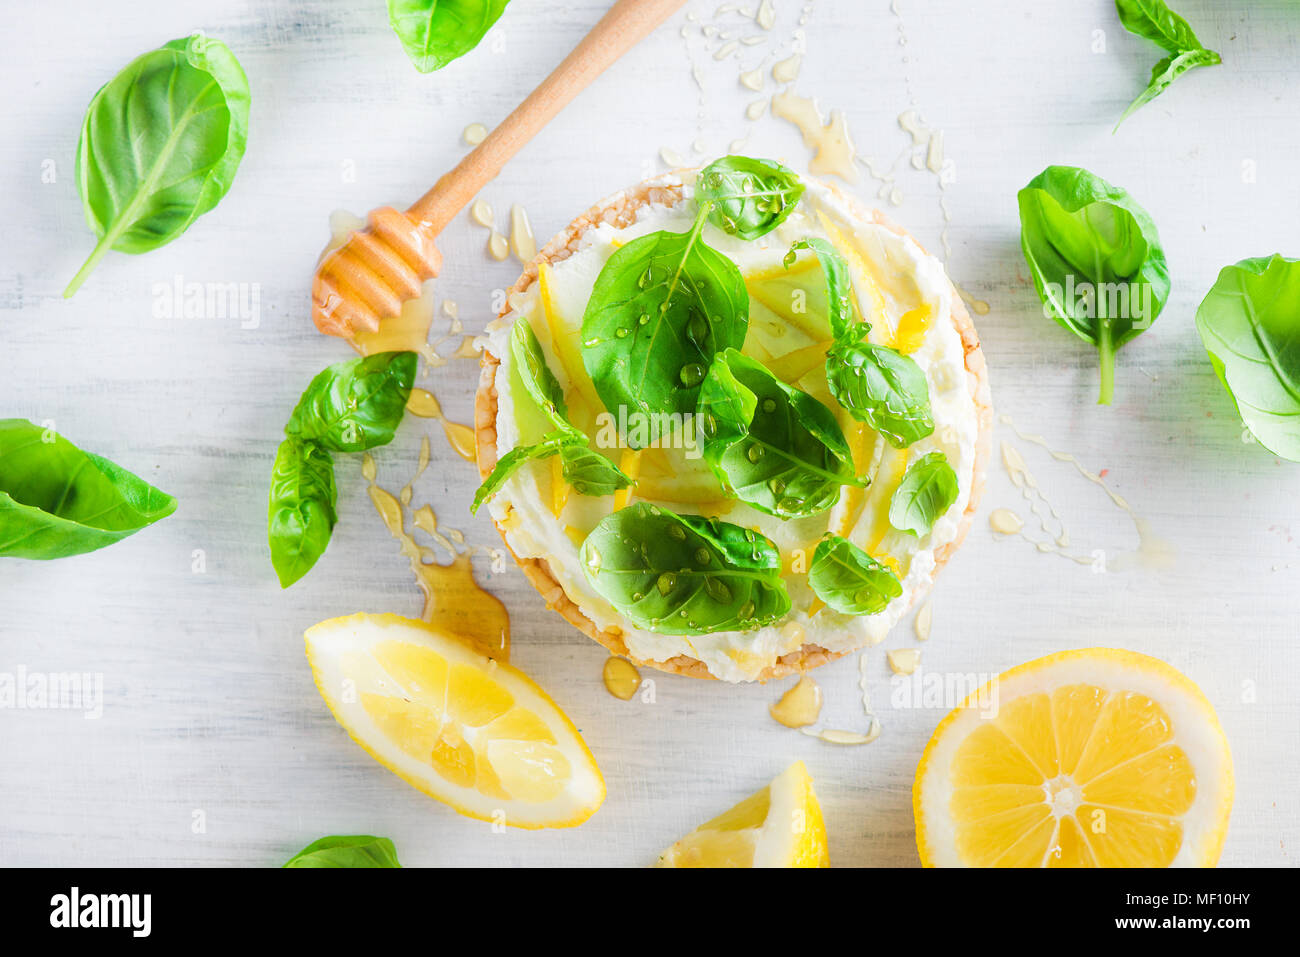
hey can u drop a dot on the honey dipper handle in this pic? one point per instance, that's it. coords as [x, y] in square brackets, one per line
[626, 23]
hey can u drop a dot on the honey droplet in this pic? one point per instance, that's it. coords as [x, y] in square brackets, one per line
[800, 706]
[621, 678]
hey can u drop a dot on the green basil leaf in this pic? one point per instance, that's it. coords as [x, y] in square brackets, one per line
[300, 509]
[538, 379]
[928, 489]
[771, 445]
[1154, 20]
[355, 405]
[56, 500]
[1249, 323]
[160, 146]
[590, 473]
[883, 388]
[682, 574]
[661, 308]
[359, 850]
[435, 32]
[748, 197]
[1165, 72]
[841, 312]
[510, 463]
[1096, 260]
[849, 580]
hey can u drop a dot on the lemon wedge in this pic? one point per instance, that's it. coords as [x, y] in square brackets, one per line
[467, 730]
[1089, 758]
[780, 826]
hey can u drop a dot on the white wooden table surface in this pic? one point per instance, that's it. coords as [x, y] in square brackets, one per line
[210, 716]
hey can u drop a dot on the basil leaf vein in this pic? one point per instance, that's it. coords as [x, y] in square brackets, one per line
[435, 32]
[928, 489]
[849, 580]
[301, 508]
[1249, 323]
[57, 500]
[1095, 258]
[662, 306]
[772, 446]
[683, 574]
[355, 406]
[160, 145]
[748, 197]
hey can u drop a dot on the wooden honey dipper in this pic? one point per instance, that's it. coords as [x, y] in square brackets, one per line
[366, 280]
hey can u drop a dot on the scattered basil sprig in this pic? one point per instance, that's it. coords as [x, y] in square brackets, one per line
[1154, 20]
[56, 500]
[682, 574]
[160, 146]
[771, 445]
[876, 384]
[361, 850]
[661, 308]
[883, 388]
[355, 405]
[748, 197]
[1249, 323]
[589, 472]
[928, 489]
[301, 510]
[351, 406]
[842, 312]
[1096, 260]
[435, 32]
[849, 580]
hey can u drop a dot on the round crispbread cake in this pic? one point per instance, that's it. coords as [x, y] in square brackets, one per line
[621, 210]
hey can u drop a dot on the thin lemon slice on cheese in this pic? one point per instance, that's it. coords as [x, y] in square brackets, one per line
[465, 729]
[780, 826]
[1090, 758]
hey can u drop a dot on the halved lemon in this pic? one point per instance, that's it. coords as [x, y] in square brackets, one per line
[465, 729]
[1089, 758]
[780, 826]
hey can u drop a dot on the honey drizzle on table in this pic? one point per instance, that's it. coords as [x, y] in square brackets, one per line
[453, 600]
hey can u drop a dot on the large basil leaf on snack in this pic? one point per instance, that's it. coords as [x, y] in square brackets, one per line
[748, 197]
[883, 388]
[359, 850]
[841, 310]
[682, 574]
[355, 405]
[928, 489]
[56, 500]
[771, 445]
[1249, 323]
[661, 308]
[538, 379]
[1096, 260]
[435, 32]
[1154, 20]
[849, 580]
[301, 511]
[589, 472]
[160, 146]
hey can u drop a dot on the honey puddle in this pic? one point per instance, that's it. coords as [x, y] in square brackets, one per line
[621, 677]
[832, 148]
[453, 600]
[800, 706]
[1151, 552]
